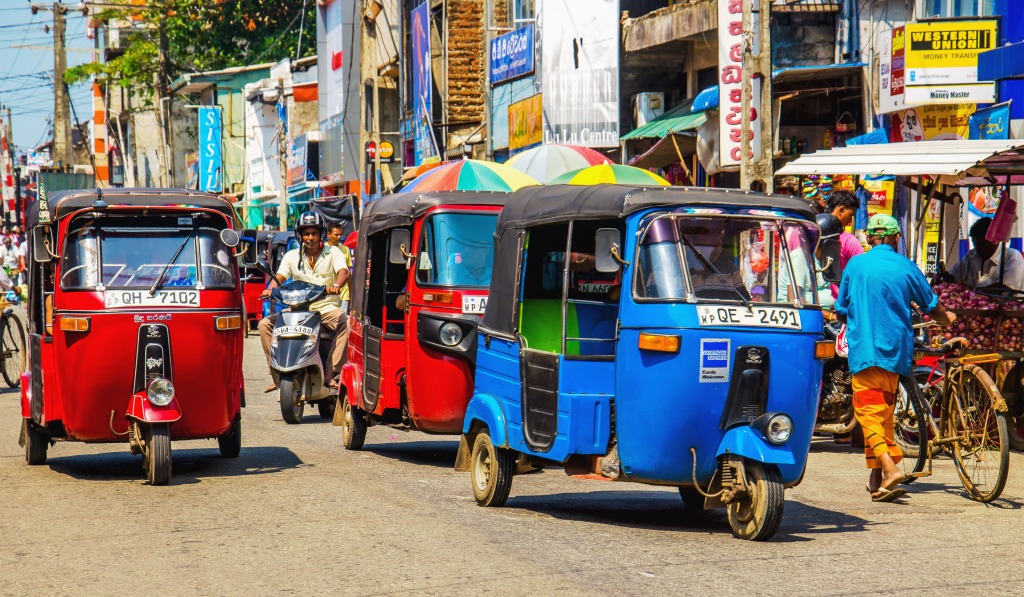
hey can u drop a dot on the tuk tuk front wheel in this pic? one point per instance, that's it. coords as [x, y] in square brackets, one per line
[230, 443]
[756, 516]
[353, 427]
[492, 469]
[157, 456]
[36, 444]
[291, 407]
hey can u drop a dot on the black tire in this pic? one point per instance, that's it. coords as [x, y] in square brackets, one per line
[353, 427]
[983, 459]
[326, 408]
[12, 348]
[693, 501]
[36, 444]
[158, 454]
[911, 427]
[758, 516]
[491, 470]
[291, 408]
[230, 443]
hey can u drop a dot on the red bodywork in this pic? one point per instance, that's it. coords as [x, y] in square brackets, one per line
[141, 409]
[88, 375]
[251, 291]
[438, 386]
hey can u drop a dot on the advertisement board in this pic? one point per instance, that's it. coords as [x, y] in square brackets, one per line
[525, 124]
[296, 160]
[422, 84]
[580, 71]
[210, 165]
[730, 89]
[882, 194]
[931, 123]
[975, 93]
[891, 58]
[332, 90]
[945, 52]
[512, 55]
[991, 123]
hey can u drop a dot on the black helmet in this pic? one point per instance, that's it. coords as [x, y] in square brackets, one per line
[830, 225]
[310, 219]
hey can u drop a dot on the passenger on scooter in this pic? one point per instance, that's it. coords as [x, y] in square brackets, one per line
[316, 263]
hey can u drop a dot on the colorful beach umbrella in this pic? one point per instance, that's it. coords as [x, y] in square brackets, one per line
[611, 173]
[547, 162]
[470, 175]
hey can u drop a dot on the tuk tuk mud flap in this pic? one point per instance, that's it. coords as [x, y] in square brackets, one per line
[748, 387]
[152, 356]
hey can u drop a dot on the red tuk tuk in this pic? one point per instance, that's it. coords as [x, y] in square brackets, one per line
[420, 282]
[254, 282]
[135, 323]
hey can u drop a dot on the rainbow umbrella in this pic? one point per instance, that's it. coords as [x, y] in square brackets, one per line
[611, 173]
[547, 162]
[469, 175]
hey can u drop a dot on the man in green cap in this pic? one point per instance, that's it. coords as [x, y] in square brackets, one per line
[874, 301]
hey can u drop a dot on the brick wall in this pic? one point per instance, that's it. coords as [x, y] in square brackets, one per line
[466, 60]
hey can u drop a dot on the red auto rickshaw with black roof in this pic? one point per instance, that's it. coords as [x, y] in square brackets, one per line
[135, 323]
[420, 281]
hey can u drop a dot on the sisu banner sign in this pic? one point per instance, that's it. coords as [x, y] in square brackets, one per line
[730, 88]
[210, 165]
[991, 123]
[512, 55]
[422, 84]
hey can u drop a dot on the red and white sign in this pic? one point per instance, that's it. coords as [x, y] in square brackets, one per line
[730, 88]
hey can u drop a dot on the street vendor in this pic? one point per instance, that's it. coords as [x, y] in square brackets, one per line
[981, 266]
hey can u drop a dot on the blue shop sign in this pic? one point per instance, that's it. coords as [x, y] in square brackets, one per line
[991, 123]
[512, 55]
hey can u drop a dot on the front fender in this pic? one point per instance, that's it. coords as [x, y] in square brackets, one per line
[351, 378]
[487, 410]
[748, 443]
[141, 409]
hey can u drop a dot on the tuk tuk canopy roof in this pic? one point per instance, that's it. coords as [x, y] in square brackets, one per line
[539, 205]
[401, 210]
[64, 203]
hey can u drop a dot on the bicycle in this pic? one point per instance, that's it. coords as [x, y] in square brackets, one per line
[972, 423]
[12, 346]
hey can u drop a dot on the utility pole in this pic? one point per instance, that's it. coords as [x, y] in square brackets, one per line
[63, 155]
[282, 157]
[757, 172]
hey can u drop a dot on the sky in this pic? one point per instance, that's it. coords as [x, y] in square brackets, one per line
[26, 74]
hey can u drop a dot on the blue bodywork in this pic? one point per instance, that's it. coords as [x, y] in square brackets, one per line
[661, 410]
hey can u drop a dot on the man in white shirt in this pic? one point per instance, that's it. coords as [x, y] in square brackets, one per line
[981, 265]
[9, 257]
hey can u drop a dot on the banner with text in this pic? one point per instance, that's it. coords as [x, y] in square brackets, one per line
[422, 84]
[525, 127]
[730, 88]
[512, 55]
[210, 165]
[946, 52]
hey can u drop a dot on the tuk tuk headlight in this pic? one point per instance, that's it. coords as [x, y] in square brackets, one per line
[451, 334]
[777, 428]
[160, 392]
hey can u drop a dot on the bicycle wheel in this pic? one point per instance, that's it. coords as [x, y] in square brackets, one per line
[910, 427]
[12, 349]
[982, 456]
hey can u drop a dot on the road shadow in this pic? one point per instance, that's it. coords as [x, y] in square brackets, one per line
[439, 454]
[188, 466]
[664, 511]
[956, 489]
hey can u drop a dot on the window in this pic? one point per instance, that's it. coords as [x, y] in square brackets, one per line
[133, 252]
[523, 10]
[457, 250]
[952, 9]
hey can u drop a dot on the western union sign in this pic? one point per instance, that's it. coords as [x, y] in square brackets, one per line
[946, 52]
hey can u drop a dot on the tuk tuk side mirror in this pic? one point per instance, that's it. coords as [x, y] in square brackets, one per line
[249, 254]
[831, 269]
[229, 237]
[608, 246]
[264, 267]
[398, 249]
[39, 239]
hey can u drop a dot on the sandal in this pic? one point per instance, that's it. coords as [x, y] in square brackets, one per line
[272, 387]
[887, 495]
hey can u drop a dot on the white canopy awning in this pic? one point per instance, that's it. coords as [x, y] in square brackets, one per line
[966, 162]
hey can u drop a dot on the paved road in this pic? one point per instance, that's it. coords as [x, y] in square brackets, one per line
[297, 514]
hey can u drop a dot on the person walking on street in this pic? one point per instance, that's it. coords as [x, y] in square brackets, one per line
[10, 256]
[316, 263]
[874, 301]
[843, 205]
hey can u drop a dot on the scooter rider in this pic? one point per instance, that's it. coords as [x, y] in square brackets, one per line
[318, 263]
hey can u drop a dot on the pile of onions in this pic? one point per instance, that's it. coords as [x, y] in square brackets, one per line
[984, 321]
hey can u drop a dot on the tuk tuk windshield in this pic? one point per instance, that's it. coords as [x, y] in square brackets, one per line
[728, 259]
[457, 250]
[133, 250]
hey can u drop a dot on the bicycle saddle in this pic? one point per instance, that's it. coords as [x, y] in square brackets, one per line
[955, 344]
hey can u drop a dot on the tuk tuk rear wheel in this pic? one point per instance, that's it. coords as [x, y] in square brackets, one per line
[36, 444]
[757, 516]
[291, 408]
[326, 408]
[491, 469]
[157, 457]
[353, 427]
[230, 443]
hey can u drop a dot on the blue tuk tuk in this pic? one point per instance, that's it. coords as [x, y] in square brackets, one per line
[667, 336]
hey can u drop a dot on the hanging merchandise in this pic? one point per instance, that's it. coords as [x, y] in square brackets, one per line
[846, 123]
[1002, 223]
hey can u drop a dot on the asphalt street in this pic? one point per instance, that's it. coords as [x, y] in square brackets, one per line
[297, 514]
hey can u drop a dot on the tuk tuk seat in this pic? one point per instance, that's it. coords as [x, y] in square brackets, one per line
[540, 325]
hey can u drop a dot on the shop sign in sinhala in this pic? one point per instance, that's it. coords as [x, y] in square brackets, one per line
[730, 88]
[512, 55]
[525, 123]
[946, 52]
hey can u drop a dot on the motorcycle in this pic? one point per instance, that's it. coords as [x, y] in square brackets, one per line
[298, 348]
[835, 407]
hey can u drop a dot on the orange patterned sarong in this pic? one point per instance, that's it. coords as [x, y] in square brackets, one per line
[874, 401]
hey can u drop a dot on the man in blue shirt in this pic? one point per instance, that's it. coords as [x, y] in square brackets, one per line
[874, 301]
